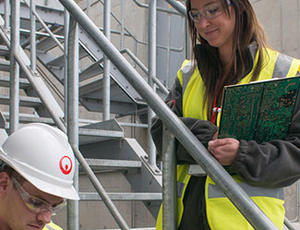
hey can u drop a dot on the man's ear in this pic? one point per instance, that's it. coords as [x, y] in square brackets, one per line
[4, 181]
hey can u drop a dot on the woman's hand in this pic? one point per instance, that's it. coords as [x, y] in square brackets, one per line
[224, 150]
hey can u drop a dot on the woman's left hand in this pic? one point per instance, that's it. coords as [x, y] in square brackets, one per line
[224, 150]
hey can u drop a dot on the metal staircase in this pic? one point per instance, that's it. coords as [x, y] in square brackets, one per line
[103, 143]
[124, 98]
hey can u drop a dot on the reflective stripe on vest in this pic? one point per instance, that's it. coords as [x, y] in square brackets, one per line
[282, 66]
[213, 191]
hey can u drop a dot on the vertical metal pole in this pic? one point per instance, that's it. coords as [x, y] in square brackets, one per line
[169, 182]
[187, 41]
[106, 91]
[281, 26]
[14, 66]
[168, 52]
[6, 14]
[152, 73]
[66, 35]
[88, 7]
[32, 36]
[122, 25]
[72, 123]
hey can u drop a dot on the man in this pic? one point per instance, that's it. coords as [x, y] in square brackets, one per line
[36, 176]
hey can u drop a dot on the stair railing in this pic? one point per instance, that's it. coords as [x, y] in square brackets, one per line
[235, 193]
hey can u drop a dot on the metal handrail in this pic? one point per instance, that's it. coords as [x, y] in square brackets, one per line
[178, 6]
[221, 177]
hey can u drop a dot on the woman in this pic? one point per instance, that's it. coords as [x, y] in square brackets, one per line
[228, 47]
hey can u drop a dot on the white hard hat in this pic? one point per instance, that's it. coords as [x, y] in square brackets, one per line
[42, 155]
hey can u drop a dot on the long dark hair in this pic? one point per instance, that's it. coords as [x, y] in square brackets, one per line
[247, 30]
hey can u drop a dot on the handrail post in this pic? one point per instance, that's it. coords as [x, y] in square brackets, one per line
[169, 204]
[106, 91]
[66, 36]
[14, 66]
[72, 121]
[32, 36]
[6, 14]
[151, 74]
[122, 31]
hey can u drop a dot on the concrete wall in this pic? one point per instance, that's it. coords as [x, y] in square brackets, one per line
[281, 22]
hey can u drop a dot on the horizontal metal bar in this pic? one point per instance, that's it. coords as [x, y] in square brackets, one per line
[100, 133]
[114, 163]
[122, 196]
[133, 125]
[43, 34]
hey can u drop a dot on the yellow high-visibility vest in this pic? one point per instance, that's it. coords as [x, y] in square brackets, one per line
[221, 213]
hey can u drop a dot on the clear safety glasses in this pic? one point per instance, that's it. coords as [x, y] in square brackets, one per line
[210, 11]
[36, 204]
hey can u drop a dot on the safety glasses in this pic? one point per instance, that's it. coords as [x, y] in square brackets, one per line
[210, 11]
[36, 204]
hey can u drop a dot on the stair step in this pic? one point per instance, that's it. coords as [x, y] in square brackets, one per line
[30, 118]
[4, 51]
[103, 164]
[4, 65]
[91, 71]
[122, 196]
[5, 82]
[24, 101]
[96, 135]
[48, 43]
[59, 61]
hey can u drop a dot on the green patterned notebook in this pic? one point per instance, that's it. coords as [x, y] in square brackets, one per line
[259, 111]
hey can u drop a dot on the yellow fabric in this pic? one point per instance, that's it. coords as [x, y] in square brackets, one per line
[221, 213]
[182, 177]
[52, 226]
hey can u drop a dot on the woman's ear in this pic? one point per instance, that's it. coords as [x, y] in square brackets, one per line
[4, 181]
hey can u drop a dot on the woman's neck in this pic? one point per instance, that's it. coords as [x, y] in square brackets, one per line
[225, 54]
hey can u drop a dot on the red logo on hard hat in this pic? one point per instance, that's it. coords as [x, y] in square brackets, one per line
[65, 165]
